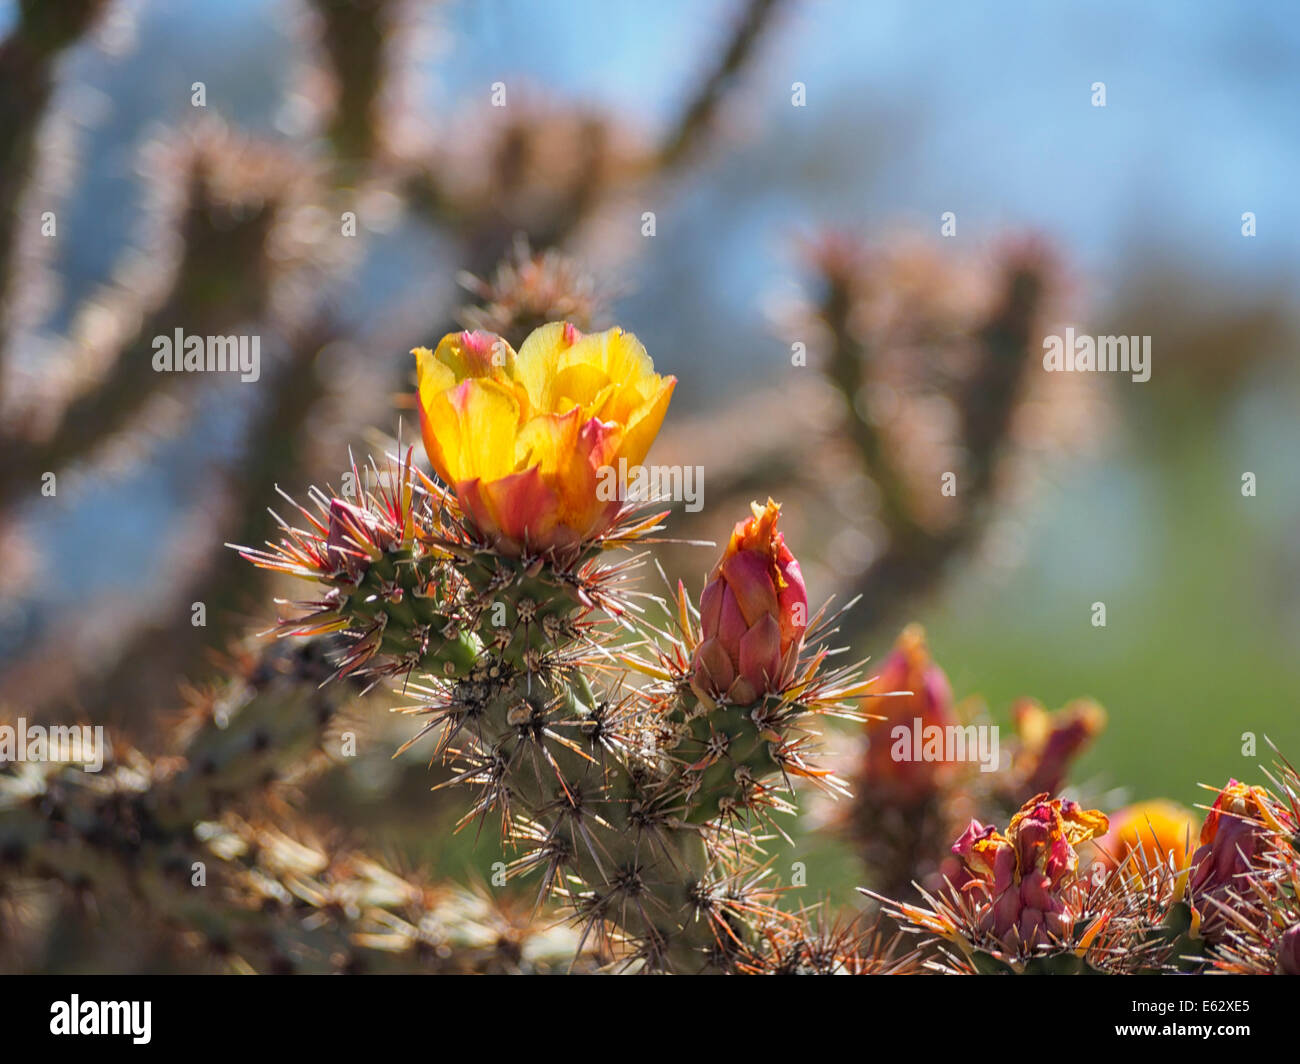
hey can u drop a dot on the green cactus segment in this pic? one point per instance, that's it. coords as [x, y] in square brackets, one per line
[1060, 964]
[519, 613]
[1065, 963]
[594, 798]
[731, 762]
[58, 821]
[600, 829]
[1186, 950]
[990, 964]
[398, 608]
[242, 899]
[259, 730]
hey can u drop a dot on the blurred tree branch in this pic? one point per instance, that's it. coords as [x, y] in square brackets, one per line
[27, 60]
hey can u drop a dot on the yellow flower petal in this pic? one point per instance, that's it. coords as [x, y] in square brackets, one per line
[473, 428]
[524, 438]
[644, 423]
[618, 354]
[539, 360]
[582, 385]
[570, 453]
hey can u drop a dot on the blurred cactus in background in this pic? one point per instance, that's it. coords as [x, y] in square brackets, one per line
[197, 846]
[905, 809]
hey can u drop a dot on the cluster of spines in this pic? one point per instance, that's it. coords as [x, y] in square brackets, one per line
[1264, 905]
[1141, 916]
[273, 898]
[635, 809]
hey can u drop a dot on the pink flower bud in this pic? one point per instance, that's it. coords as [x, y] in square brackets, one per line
[908, 667]
[1233, 839]
[753, 615]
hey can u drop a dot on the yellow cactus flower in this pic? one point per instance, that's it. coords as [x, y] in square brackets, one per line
[1158, 828]
[529, 441]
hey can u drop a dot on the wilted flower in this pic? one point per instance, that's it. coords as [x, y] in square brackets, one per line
[1026, 878]
[908, 667]
[1156, 828]
[753, 615]
[1049, 742]
[525, 440]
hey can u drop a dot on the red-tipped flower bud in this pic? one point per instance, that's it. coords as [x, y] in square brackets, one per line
[908, 667]
[1234, 838]
[753, 614]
